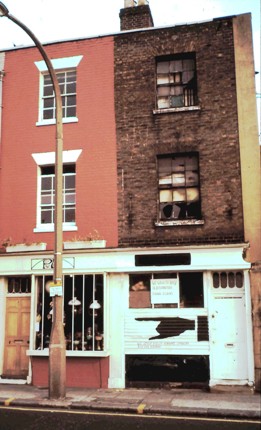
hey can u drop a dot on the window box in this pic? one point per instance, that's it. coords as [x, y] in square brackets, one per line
[84, 244]
[23, 247]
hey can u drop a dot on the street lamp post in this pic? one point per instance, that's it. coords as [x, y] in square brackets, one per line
[57, 350]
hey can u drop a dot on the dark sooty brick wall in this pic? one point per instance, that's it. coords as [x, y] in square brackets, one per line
[212, 131]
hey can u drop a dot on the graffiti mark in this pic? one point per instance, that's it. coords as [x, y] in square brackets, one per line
[169, 327]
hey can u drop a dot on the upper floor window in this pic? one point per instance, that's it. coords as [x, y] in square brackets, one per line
[178, 187]
[176, 81]
[67, 84]
[47, 191]
[66, 72]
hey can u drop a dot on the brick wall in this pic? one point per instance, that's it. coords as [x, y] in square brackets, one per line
[94, 134]
[212, 131]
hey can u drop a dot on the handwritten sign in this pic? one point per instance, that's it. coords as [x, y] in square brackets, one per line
[164, 291]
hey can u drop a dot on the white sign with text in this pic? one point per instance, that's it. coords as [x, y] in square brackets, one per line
[164, 291]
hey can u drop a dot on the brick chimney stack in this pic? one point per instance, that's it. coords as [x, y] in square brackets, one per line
[135, 16]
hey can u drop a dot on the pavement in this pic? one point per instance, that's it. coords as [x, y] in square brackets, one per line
[224, 403]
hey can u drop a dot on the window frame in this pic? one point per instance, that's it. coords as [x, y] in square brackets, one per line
[47, 159]
[171, 220]
[51, 206]
[171, 85]
[39, 346]
[140, 294]
[60, 65]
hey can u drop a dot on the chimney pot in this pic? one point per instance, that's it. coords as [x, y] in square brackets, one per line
[129, 3]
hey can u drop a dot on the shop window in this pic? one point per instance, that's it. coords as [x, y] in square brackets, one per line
[19, 284]
[176, 81]
[178, 187]
[83, 312]
[166, 290]
[228, 280]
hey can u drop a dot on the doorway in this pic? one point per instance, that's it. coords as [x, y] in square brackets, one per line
[17, 323]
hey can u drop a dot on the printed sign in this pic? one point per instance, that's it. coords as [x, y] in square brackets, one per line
[56, 289]
[164, 291]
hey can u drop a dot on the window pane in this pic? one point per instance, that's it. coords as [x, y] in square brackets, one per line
[48, 114]
[215, 280]
[239, 279]
[48, 90]
[191, 290]
[178, 179]
[163, 102]
[69, 215]
[192, 194]
[71, 100]
[163, 67]
[69, 181]
[179, 195]
[178, 164]
[165, 196]
[46, 183]
[46, 216]
[223, 280]
[163, 79]
[176, 101]
[163, 91]
[69, 198]
[191, 178]
[139, 296]
[70, 112]
[70, 88]
[176, 66]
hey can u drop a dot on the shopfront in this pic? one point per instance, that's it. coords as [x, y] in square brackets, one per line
[131, 317]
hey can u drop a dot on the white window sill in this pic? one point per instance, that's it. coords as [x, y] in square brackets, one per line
[178, 109]
[45, 353]
[180, 222]
[50, 228]
[53, 121]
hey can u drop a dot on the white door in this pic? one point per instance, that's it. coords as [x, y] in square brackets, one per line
[228, 337]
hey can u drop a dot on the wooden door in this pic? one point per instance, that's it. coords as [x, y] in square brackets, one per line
[17, 337]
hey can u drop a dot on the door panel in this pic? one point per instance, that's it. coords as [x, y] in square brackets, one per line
[17, 337]
[228, 343]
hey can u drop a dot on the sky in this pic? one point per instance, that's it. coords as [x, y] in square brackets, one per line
[54, 20]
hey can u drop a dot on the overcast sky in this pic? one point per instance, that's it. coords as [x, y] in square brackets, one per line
[52, 20]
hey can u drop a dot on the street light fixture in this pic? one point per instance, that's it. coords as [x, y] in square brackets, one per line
[57, 350]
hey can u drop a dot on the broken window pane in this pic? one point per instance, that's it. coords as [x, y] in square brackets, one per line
[179, 184]
[178, 75]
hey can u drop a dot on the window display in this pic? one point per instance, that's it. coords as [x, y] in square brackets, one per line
[83, 312]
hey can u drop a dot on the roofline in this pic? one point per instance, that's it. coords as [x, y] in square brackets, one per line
[119, 33]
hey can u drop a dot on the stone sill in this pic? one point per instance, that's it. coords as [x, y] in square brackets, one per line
[179, 109]
[180, 222]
